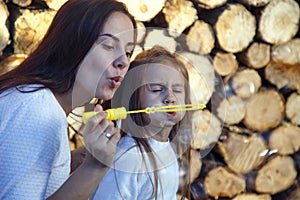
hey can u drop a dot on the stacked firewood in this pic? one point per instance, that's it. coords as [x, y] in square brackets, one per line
[243, 57]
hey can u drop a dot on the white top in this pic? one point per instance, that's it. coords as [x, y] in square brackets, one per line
[129, 178]
[34, 148]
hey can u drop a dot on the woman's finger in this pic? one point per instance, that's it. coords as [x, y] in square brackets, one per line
[94, 121]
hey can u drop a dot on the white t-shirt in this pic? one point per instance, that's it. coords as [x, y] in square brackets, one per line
[129, 178]
[34, 148]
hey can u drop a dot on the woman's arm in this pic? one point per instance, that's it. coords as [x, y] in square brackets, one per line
[99, 157]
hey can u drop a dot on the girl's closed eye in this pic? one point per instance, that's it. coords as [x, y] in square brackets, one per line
[156, 88]
[178, 89]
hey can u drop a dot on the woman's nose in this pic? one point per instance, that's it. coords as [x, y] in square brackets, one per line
[121, 62]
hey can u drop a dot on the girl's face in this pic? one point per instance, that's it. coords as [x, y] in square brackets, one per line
[104, 66]
[165, 86]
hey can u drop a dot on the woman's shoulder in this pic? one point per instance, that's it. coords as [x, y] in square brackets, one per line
[36, 104]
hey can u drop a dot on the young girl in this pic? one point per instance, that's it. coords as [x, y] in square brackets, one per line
[146, 163]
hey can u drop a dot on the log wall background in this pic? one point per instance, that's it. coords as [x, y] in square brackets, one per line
[253, 46]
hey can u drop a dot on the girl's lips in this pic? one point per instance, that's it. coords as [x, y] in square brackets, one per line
[171, 114]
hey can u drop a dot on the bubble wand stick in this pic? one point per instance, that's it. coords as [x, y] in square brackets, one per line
[121, 113]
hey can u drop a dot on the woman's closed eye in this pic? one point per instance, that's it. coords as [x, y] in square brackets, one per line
[108, 46]
[129, 54]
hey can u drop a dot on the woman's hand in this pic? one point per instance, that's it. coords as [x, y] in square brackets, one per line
[100, 147]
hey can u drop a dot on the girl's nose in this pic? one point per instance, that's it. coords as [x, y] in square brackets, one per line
[170, 98]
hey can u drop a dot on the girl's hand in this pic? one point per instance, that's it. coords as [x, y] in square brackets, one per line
[100, 147]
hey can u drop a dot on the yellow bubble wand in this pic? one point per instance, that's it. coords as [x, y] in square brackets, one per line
[121, 113]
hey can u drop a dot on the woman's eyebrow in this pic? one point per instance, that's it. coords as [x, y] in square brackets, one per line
[115, 38]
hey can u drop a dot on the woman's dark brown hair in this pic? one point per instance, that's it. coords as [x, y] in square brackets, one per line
[72, 33]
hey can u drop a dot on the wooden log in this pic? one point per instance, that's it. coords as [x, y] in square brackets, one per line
[255, 3]
[219, 182]
[160, 37]
[245, 83]
[22, 3]
[276, 176]
[201, 74]
[55, 4]
[235, 28]
[225, 63]
[285, 139]
[210, 4]
[279, 21]
[295, 195]
[194, 167]
[4, 35]
[242, 153]
[283, 76]
[144, 10]
[235, 110]
[30, 27]
[179, 15]
[141, 32]
[256, 56]
[264, 110]
[287, 53]
[252, 196]
[200, 38]
[11, 62]
[293, 107]
[206, 131]
[137, 49]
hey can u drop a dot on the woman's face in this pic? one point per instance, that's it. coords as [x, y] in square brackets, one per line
[165, 86]
[105, 65]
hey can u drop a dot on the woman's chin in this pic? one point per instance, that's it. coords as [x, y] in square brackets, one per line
[106, 96]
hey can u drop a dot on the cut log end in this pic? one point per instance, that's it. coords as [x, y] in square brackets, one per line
[264, 110]
[219, 182]
[241, 153]
[235, 28]
[277, 175]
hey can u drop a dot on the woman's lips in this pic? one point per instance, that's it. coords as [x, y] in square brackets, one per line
[116, 81]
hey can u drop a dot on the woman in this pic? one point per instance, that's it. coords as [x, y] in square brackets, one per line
[84, 54]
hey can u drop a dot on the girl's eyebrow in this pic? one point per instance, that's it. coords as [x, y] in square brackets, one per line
[114, 38]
